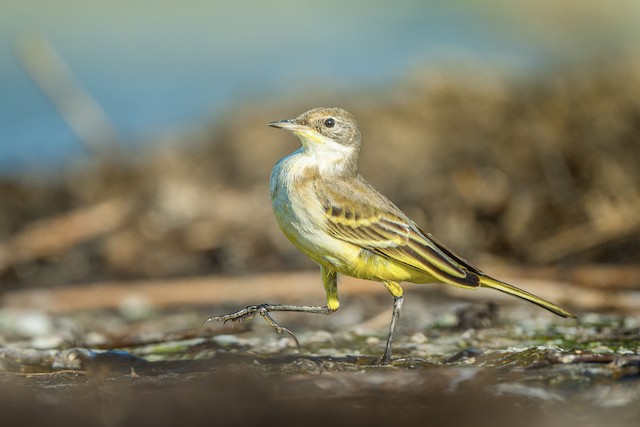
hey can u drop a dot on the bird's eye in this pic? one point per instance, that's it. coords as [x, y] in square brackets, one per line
[330, 122]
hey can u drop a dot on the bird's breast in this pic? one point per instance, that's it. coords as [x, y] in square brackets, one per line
[300, 214]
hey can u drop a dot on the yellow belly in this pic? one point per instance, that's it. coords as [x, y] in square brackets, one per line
[368, 265]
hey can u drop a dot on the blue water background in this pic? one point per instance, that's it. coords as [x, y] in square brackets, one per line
[154, 65]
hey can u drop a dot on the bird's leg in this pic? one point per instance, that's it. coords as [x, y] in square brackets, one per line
[397, 305]
[330, 280]
[395, 290]
[249, 312]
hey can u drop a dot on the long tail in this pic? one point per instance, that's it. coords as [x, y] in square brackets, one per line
[489, 282]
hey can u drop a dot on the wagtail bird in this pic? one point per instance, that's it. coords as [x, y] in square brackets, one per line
[336, 218]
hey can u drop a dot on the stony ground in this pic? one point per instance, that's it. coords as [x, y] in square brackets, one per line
[458, 361]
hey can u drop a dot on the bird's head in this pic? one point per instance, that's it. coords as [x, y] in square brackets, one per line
[331, 135]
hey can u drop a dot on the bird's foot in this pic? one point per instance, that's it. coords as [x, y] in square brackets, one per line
[246, 313]
[385, 360]
[249, 313]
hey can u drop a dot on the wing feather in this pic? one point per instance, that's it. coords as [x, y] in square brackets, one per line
[358, 214]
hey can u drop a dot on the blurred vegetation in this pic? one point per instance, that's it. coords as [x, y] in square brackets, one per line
[536, 171]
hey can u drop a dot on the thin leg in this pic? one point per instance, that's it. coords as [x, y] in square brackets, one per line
[330, 281]
[249, 312]
[397, 306]
[395, 290]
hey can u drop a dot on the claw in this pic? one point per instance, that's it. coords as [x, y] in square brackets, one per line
[246, 313]
[275, 325]
[249, 313]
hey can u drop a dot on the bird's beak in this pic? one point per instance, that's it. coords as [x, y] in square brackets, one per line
[288, 124]
[306, 134]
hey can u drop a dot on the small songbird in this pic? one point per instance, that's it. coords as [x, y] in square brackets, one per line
[336, 218]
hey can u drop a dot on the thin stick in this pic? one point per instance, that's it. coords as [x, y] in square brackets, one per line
[75, 105]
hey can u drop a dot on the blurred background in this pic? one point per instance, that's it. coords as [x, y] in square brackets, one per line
[134, 141]
[134, 203]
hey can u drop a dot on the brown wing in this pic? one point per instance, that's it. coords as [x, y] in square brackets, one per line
[360, 215]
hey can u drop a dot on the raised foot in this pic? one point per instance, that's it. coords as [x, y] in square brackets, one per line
[249, 313]
[246, 313]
